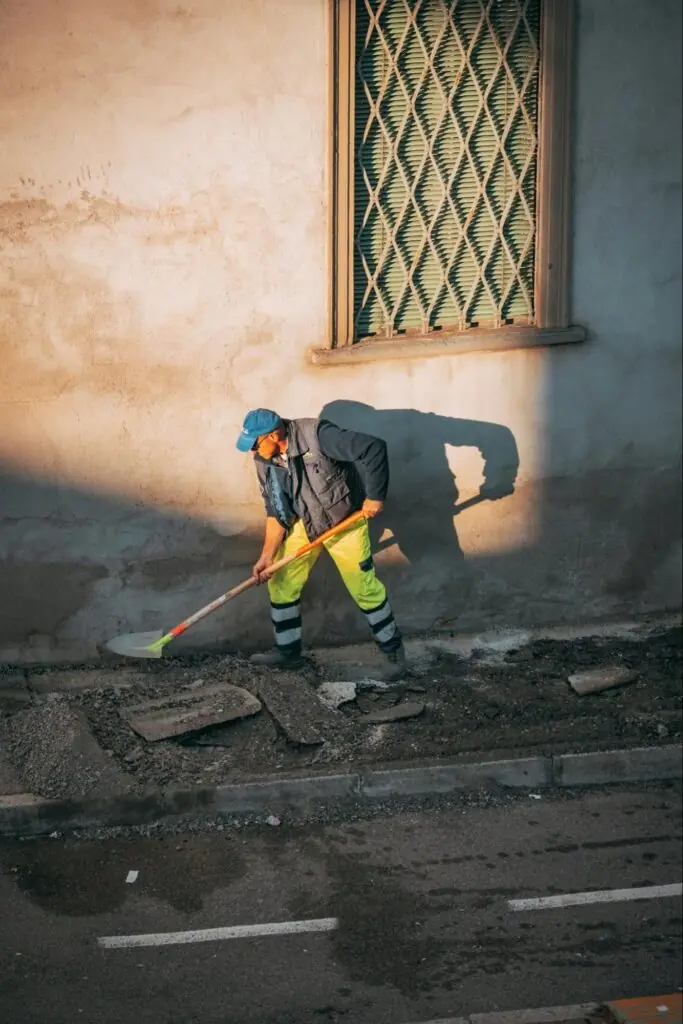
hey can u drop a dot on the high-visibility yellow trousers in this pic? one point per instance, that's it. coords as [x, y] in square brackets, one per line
[352, 554]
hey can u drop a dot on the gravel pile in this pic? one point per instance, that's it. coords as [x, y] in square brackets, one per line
[56, 755]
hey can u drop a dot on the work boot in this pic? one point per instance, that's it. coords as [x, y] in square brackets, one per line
[276, 658]
[397, 667]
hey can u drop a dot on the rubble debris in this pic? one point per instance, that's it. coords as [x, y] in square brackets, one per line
[535, 710]
[295, 706]
[596, 679]
[336, 694]
[273, 820]
[189, 711]
[371, 685]
[409, 709]
[56, 755]
[377, 736]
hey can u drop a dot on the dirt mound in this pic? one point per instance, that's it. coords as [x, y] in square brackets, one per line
[57, 756]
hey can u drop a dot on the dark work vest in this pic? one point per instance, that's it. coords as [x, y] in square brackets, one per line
[323, 491]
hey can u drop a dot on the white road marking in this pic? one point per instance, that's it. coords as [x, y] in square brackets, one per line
[132, 876]
[575, 899]
[245, 931]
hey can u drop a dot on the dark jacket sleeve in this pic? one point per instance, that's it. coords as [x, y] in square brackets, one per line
[367, 453]
[261, 473]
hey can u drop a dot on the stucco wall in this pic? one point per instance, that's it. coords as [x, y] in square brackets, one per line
[163, 223]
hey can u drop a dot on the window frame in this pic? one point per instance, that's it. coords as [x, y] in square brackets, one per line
[553, 205]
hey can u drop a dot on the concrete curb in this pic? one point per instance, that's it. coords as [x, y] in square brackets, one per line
[521, 773]
[642, 764]
[27, 815]
[542, 1015]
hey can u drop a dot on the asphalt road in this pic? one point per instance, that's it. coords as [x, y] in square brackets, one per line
[424, 927]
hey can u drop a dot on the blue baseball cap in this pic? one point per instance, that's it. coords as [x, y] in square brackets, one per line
[256, 423]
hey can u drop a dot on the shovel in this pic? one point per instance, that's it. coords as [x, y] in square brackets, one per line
[151, 644]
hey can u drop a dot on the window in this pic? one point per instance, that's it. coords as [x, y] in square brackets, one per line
[450, 175]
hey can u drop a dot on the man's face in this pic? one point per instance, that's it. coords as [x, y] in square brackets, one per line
[268, 445]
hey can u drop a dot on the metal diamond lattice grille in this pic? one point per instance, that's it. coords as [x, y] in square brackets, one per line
[445, 164]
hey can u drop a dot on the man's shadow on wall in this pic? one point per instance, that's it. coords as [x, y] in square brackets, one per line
[423, 494]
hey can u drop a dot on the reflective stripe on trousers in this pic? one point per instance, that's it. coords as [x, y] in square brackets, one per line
[286, 619]
[352, 554]
[383, 624]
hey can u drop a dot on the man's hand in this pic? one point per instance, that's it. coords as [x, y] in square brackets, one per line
[259, 570]
[372, 508]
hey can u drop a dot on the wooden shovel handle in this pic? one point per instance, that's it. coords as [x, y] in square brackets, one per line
[305, 548]
[254, 580]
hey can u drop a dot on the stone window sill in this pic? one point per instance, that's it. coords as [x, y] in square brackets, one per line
[422, 347]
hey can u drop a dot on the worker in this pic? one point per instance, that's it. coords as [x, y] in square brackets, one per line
[313, 475]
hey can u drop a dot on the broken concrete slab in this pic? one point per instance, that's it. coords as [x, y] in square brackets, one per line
[55, 754]
[356, 663]
[189, 711]
[253, 735]
[336, 694]
[596, 679]
[369, 702]
[296, 708]
[399, 712]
